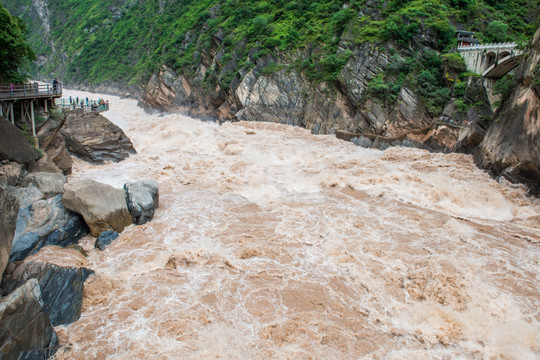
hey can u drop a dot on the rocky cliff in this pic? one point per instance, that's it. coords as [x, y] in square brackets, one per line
[511, 146]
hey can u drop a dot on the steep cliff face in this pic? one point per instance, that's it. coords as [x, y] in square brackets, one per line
[511, 146]
[285, 95]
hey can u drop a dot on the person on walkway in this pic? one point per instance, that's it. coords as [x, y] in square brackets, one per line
[11, 88]
[55, 85]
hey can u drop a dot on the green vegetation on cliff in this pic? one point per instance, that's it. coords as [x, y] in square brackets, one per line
[96, 41]
[14, 51]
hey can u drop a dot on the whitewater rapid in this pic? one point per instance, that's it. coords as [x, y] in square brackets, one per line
[273, 243]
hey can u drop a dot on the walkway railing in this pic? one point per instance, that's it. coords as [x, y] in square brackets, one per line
[29, 91]
[488, 46]
[92, 105]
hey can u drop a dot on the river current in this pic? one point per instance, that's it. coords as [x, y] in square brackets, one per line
[273, 243]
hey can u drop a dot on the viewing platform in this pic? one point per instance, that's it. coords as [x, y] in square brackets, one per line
[24, 97]
[89, 106]
[30, 91]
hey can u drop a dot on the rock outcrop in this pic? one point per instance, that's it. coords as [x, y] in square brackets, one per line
[46, 222]
[142, 198]
[102, 206]
[61, 288]
[9, 207]
[13, 144]
[26, 330]
[94, 138]
[510, 147]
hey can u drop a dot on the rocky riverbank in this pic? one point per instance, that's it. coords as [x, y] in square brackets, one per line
[41, 212]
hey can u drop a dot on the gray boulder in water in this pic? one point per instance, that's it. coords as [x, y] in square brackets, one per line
[142, 198]
[102, 206]
[105, 239]
[61, 288]
[25, 328]
[46, 222]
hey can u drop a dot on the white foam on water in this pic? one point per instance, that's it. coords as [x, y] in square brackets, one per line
[273, 243]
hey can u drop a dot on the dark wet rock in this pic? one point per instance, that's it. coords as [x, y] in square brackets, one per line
[13, 144]
[46, 222]
[103, 207]
[9, 207]
[61, 288]
[94, 138]
[26, 195]
[142, 198]
[50, 184]
[105, 239]
[362, 141]
[25, 328]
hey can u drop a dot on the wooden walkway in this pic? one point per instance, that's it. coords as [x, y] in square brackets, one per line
[29, 91]
[24, 96]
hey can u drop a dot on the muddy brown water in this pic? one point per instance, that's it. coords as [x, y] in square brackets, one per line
[273, 243]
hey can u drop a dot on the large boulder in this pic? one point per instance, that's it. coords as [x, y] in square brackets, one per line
[50, 184]
[13, 144]
[46, 222]
[142, 198]
[102, 206]
[61, 288]
[9, 207]
[25, 329]
[94, 138]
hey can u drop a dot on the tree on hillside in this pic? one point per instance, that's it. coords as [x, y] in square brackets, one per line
[14, 51]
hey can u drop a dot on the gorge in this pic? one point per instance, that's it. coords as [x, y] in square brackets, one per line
[273, 179]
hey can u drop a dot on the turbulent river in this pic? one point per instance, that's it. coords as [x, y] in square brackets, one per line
[273, 243]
